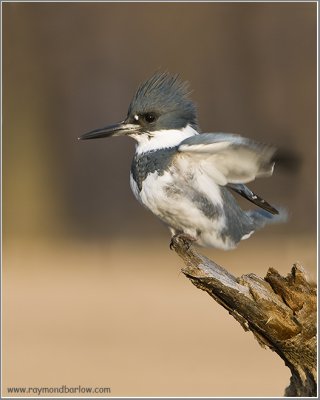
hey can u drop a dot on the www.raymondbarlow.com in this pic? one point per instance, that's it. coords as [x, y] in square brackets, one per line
[64, 389]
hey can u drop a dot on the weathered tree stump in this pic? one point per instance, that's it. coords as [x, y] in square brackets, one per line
[279, 311]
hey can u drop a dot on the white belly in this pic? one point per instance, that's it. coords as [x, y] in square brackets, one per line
[172, 197]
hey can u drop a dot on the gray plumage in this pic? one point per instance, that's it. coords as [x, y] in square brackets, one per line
[167, 97]
[152, 161]
[186, 178]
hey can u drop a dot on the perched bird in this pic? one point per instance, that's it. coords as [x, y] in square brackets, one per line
[186, 178]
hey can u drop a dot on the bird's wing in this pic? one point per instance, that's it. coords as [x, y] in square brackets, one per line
[229, 158]
[245, 192]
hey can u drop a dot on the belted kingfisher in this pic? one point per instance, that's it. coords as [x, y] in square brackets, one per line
[186, 178]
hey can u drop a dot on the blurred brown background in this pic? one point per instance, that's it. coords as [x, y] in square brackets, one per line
[92, 294]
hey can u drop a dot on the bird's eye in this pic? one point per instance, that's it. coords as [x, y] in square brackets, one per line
[150, 117]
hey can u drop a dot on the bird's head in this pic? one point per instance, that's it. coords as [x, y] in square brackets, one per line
[160, 104]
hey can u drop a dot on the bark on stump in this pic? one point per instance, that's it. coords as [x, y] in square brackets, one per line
[279, 311]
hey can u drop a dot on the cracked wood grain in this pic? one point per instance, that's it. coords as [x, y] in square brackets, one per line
[280, 311]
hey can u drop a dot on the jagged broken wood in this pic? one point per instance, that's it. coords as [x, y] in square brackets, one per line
[279, 311]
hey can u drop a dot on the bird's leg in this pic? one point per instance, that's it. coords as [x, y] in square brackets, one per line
[187, 240]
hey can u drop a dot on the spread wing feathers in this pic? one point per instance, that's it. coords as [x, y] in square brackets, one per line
[245, 192]
[229, 158]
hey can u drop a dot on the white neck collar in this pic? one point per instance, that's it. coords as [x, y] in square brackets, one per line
[162, 139]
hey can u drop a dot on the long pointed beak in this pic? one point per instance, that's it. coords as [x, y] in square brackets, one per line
[120, 129]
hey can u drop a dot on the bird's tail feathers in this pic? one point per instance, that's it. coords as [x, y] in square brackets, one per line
[261, 217]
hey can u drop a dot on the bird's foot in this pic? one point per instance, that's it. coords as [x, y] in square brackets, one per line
[185, 239]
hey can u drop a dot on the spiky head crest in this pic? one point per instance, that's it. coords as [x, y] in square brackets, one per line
[167, 97]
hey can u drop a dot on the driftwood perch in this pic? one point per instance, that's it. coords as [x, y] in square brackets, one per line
[279, 311]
